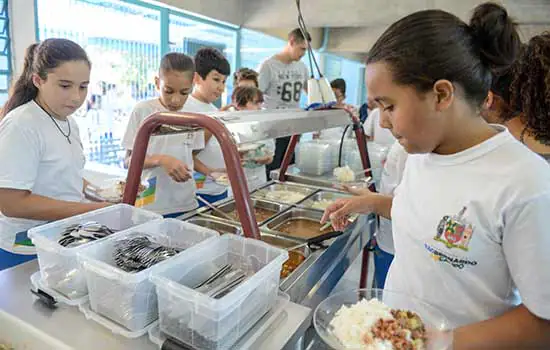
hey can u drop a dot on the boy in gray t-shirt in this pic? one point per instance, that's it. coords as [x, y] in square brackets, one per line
[282, 78]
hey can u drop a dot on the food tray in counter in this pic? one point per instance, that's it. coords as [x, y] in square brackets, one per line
[322, 199]
[299, 224]
[296, 257]
[216, 224]
[264, 210]
[284, 193]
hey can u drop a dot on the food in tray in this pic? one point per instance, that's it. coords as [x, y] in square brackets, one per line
[321, 204]
[139, 253]
[344, 174]
[260, 213]
[220, 178]
[302, 228]
[372, 325]
[282, 196]
[295, 258]
[79, 234]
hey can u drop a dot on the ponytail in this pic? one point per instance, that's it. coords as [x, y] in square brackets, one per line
[23, 90]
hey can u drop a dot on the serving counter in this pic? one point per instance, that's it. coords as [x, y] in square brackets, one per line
[32, 325]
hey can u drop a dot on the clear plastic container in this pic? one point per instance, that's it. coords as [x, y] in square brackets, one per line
[315, 157]
[250, 340]
[206, 323]
[59, 267]
[86, 309]
[129, 299]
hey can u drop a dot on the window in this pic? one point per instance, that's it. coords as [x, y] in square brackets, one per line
[188, 35]
[123, 42]
[5, 52]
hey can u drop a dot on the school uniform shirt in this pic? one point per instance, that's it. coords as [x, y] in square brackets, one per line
[373, 129]
[471, 231]
[282, 83]
[256, 174]
[164, 195]
[36, 157]
[392, 174]
[211, 155]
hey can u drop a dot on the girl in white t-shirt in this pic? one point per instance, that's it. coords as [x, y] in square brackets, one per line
[470, 216]
[41, 156]
[169, 161]
[247, 98]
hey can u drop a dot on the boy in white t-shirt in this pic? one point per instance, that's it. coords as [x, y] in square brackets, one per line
[470, 217]
[169, 161]
[247, 98]
[212, 70]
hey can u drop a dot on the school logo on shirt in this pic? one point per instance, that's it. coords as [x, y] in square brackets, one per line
[454, 232]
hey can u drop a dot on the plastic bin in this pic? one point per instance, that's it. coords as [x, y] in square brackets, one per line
[249, 341]
[206, 323]
[129, 299]
[59, 267]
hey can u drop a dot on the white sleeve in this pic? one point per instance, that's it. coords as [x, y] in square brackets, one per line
[20, 154]
[134, 122]
[198, 142]
[264, 77]
[526, 240]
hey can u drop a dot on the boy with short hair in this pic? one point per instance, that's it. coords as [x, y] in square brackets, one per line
[212, 70]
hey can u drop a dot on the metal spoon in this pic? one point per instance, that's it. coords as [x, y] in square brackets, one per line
[224, 215]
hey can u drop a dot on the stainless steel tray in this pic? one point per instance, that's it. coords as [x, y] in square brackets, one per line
[276, 208]
[217, 225]
[321, 196]
[273, 225]
[267, 192]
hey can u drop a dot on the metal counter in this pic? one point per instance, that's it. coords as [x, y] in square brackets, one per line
[317, 276]
[69, 326]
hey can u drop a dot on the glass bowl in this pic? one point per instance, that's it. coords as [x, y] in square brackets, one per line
[437, 327]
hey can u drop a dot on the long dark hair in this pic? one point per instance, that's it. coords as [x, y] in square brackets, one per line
[530, 87]
[40, 59]
[430, 45]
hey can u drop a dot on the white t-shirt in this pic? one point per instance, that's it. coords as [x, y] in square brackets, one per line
[164, 195]
[373, 129]
[471, 229]
[390, 179]
[211, 155]
[35, 156]
[256, 173]
[281, 83]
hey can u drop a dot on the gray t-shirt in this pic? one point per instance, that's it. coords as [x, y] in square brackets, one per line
[282, 83]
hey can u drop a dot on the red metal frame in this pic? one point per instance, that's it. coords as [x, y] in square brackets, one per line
[230, 153]
[362, 145]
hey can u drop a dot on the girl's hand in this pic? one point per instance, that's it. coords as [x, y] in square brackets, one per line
[339, 211]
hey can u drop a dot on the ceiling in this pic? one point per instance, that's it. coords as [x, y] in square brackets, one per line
[352, 26]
